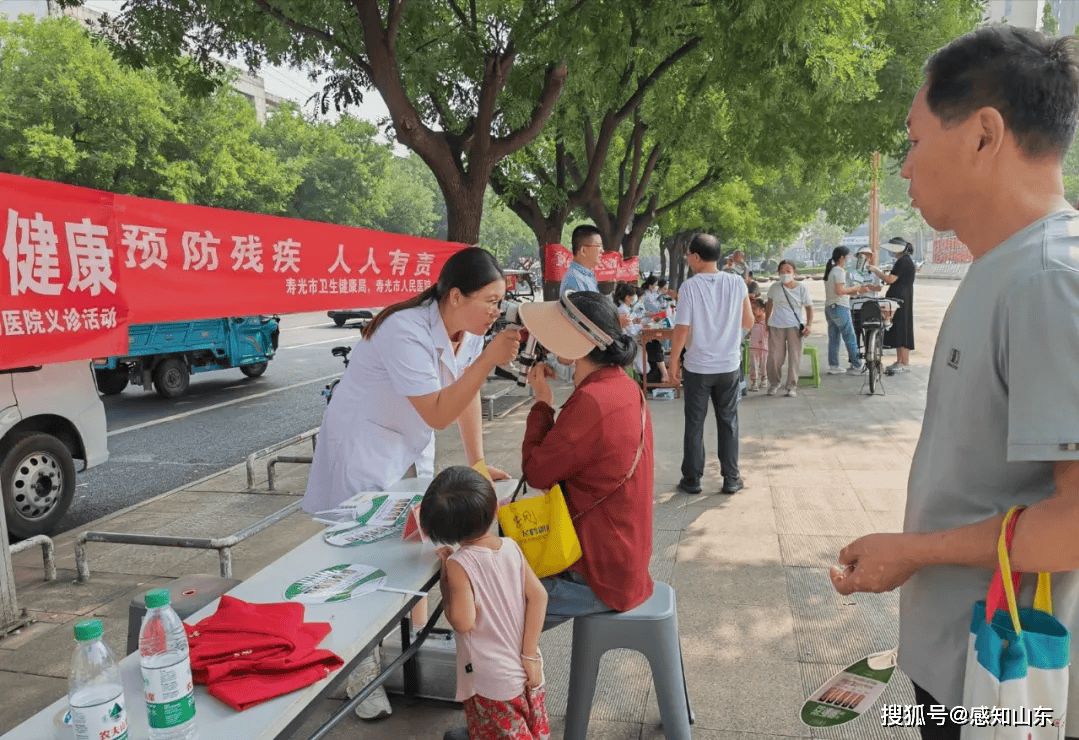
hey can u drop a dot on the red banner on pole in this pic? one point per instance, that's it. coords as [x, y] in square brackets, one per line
[80, 265]
[630, 270]
[556, 259]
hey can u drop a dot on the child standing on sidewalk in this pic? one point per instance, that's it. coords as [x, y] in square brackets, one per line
[495, 604]
[758, 348]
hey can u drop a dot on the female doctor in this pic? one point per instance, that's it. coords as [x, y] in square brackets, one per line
[419, 367]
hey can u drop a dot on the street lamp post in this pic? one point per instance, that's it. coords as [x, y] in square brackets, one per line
[874, 209]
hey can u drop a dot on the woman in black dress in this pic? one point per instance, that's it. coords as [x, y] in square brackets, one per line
[901, 287]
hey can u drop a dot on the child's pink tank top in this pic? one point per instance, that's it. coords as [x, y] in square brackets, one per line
[489, 657]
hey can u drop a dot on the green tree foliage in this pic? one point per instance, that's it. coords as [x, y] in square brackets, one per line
[1050, 24]
[465, 86]
[70, 113]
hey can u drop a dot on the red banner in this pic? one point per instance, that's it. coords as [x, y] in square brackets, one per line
[556, 259]
[611, 267]
[80, 265]
[948, 249]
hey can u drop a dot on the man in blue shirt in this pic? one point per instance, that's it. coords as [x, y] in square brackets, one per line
[587, 244]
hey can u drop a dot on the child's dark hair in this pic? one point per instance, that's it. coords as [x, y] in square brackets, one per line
[460, 504]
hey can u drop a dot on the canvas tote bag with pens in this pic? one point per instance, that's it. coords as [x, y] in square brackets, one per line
[1018, 658]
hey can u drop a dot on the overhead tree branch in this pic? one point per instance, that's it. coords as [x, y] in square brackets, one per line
[397, 12]
[317, 33]
[552, 88]
[659, 71]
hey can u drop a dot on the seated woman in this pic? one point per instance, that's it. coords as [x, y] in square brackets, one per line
[599, 448]
[631, 320]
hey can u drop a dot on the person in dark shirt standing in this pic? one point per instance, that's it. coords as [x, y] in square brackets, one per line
[901, 287]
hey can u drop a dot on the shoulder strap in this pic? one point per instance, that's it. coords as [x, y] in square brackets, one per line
[788, 297]
[636, 458]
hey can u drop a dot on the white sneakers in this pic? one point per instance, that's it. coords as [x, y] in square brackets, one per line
[855, 370]
[896, 367]
[772, 391]
[377, 704]
[792, 393]
[834, 370]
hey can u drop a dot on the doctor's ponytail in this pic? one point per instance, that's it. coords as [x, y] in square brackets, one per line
[468, 271]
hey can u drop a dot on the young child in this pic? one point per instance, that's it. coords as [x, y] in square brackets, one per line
[495, 604]
[758, 348]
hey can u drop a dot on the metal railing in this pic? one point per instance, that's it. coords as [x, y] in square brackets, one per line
[311, 434]
[223, 545]
[48, 552]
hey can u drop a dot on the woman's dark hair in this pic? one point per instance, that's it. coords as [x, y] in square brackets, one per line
[661, 284]
[787, 262]
[601, 311]
[467, 270]
[622, 291]
[650, 281]
[460, 504]
[837, 254]
[1031, 79]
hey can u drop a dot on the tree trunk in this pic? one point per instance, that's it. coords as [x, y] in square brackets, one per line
[662, 261]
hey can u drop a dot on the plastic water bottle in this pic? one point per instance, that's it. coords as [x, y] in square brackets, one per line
[95, 691]
[166, 671]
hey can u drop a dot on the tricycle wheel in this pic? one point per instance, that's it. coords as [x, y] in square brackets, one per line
[254, 370]
[171, 378]
[111, 382]
[37, 477]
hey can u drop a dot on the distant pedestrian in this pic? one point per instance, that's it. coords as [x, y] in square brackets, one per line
[758, 348]
[837, 313]
[713, 314]
[790, 316]
[901, 287]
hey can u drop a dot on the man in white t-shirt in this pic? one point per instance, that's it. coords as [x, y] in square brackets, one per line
[989, 130]
[713, 312]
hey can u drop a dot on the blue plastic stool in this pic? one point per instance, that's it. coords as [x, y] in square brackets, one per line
[650, 629]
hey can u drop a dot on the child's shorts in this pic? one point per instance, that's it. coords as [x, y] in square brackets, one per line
[521, 718]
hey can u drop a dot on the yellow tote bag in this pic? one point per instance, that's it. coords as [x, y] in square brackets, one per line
[542, 526]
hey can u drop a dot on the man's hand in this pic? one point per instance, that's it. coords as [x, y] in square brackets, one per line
[674, 372]
[875, 563]
[537, 378]
[496, 473]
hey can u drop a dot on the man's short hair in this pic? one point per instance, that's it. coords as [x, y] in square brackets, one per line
[581, 234]
[1031, 79]
[706, 247]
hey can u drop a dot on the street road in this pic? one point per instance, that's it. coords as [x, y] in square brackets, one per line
[157, 444]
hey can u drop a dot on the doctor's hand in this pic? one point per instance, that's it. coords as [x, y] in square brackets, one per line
[537, 378]
[503, 347]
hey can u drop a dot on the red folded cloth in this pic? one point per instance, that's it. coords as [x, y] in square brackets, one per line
[247, 653]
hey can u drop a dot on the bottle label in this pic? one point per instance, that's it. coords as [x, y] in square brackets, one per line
[105, 721]
[170, 695]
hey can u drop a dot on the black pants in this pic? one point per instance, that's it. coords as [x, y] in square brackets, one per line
[654, 355]
[931, 730]
[722, 389]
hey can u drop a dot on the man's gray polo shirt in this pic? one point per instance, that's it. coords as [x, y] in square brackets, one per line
[1002, 406]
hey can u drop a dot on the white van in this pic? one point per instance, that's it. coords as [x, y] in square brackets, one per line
[50, 415]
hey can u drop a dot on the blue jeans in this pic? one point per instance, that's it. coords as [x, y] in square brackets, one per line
[840, 327]
[569, 596]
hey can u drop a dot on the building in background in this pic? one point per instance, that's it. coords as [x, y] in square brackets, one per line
[252, 87]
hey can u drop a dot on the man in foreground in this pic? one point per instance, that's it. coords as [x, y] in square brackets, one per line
[989, 130]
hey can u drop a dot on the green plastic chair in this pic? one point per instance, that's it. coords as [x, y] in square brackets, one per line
[813, 379]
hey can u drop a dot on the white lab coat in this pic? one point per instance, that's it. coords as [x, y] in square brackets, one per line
[371, 434]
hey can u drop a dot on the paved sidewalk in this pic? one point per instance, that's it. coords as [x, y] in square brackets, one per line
[761, 626]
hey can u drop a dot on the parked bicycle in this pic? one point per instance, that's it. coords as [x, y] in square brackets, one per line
[872, 317]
